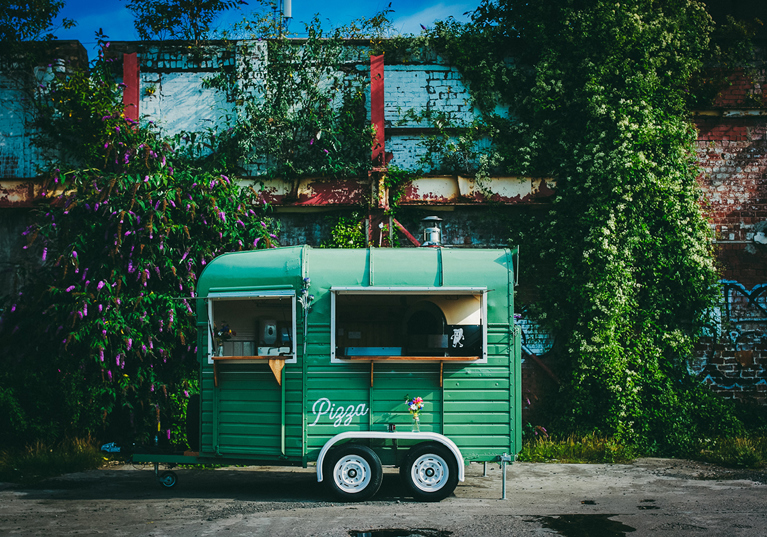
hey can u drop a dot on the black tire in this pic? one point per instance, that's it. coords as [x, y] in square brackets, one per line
[193, 422]
[168, 479]
[430, 472]
[353, 472]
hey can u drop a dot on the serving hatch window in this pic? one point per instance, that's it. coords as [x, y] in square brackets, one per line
[242, 325]
[409, 323]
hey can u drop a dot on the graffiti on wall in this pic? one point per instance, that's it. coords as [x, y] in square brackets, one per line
[535, 338]
[736, 357]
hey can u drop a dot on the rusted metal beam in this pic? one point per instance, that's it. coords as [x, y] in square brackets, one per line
[319, 192]
[16, 194]
[313, 192]
[407, 234]
[458, 190]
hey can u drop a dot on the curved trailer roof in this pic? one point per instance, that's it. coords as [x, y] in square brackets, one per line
[373, 269]
[428, 267]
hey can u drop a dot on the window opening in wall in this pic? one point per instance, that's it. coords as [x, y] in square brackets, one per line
[255, 326]
[435, 324]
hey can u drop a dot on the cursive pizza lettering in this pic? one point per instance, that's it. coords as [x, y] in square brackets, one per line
[339, 415]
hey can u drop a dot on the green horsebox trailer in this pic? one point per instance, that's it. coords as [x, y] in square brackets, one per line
[308, 355]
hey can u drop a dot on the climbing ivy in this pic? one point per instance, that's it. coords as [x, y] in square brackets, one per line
[301, 102]
[347, 231]
[595, 96]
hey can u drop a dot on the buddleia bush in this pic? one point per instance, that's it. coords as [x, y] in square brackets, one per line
[103, 333]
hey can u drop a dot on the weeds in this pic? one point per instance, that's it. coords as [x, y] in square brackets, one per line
[39, 460]
[730, 452]
[735, 452]
[590, 448]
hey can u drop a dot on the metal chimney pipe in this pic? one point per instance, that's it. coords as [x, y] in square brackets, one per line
[432, 236]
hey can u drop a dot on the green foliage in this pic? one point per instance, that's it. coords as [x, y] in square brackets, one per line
[102, 338]
[595, 96]
[78, 114]
[178, 406]
[395, 180]
[40, 460]
[590, 448]
[347, 232]
[736, 452]
[30, 20]
[26, 31]
[104, 334]
[375, 29]
[177, 19]
[302, 111]
[731, 49]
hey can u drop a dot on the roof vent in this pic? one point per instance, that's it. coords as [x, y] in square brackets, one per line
[433, 231]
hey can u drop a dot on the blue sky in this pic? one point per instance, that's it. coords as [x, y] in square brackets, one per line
[117, 22]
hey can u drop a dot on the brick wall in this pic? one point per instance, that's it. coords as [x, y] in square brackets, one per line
[732, 152]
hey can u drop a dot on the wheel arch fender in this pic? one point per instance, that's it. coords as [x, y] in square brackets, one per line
[365, 435]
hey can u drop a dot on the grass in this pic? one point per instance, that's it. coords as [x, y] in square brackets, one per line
[730, 452]
[39, 461]
[590, 448]
[735, 452]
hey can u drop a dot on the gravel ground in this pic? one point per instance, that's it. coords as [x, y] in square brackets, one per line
[662, 497]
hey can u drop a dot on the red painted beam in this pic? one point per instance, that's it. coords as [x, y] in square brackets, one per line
[406, 232]
[377, 108]
[131, 90]
[315, 193]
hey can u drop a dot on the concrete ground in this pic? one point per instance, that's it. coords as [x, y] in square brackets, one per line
[660, 497]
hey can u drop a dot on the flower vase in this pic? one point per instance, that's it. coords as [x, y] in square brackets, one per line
[416, 424]
[221, 350]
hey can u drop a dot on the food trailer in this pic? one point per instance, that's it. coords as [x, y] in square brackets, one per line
[308, 355]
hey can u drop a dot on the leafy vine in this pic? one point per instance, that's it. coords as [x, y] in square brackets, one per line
[596, 97]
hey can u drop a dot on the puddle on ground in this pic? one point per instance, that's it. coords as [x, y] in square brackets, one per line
[647, 507]
[422, 532]
[585, 525]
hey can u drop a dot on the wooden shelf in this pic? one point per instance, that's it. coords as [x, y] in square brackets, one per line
[276, 364]
[440, 359]
[233, 358]
[415, 358]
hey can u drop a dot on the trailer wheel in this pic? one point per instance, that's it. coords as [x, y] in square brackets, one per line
[354, 472]
[430, 472]
[168, 479]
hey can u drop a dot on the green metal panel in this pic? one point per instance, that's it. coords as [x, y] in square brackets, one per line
[516, 391]
[250, 416]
